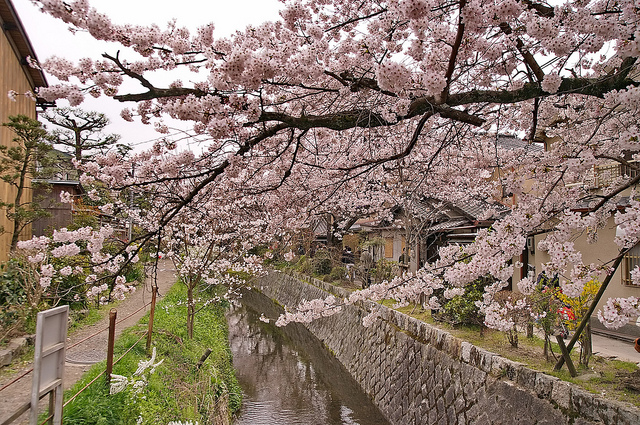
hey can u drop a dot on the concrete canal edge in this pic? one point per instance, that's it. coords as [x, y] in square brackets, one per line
[418, 374]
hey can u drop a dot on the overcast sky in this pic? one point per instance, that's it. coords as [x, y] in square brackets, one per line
[50, 37]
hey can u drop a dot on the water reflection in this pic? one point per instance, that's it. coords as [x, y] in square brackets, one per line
[288, 377]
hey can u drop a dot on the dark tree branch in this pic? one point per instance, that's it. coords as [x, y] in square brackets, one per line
[359, 83]
[153, 92]
[610, 195]
[528, 57]
[534, 123]
[454, 54]
[407, 151]
[541, 9]
[366, 119]
[352, 20]
[157, 93]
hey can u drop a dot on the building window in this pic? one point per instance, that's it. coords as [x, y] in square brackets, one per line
[388, 247]
[630, 261]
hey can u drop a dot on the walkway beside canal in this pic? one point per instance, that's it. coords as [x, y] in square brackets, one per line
[80, 358]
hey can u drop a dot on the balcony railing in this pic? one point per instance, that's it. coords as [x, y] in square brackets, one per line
[605, 175]
[630, 261]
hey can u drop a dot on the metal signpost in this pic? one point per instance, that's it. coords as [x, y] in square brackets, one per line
[48, 364]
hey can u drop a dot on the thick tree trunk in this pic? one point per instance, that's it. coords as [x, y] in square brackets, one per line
[586, 349]
[17, 222]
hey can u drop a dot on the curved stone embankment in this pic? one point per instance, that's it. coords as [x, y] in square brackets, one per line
[418, 374]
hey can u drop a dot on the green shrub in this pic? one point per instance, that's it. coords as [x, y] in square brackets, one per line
[304, 265]
[12, 288]
[462, 309]
[134, 272]
[16, 315]
[322, 266]
[337, 273]
[383, 270]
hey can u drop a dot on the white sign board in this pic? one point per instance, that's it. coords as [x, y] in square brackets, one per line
[48, 363]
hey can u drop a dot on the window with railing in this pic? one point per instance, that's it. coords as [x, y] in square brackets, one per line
[604, 175]
[630, 261]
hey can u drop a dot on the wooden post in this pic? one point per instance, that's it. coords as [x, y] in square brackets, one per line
[112, 337]
[151, 313]
[52, 406]
[203, 358]
[566, 355]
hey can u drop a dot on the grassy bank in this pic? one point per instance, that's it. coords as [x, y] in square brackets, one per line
[176, 389]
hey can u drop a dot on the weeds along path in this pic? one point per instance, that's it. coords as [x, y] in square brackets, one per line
[81, 357]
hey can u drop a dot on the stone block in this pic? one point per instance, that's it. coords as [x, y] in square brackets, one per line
[591, 406]
[451, 346]
[440, 406]
[18, 345]
[433, 416]
[482, 359]
[439, 338]
[465, 351]
[428, 333]
[561, 394]
[526, 377]
[462, 419]
[505, 368]
[460, 405]
[628, 416]
[606, 411]
[544, 385]
[5, 357]
[413, 326]
[449, 397]
[446, 377]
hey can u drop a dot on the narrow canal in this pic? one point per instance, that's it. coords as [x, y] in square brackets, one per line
[288, 378]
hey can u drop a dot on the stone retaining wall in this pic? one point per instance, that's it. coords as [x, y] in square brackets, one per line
[418, 374]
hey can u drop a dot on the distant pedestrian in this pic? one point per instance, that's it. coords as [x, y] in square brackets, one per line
[347, 259]
[366, 262]
[403, 262]
[347, 255]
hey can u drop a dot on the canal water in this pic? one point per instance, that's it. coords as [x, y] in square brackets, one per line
[287, 376]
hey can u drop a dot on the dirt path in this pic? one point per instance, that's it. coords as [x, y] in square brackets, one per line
[81, 357]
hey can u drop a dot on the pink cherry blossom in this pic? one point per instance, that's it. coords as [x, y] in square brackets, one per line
[355, 112]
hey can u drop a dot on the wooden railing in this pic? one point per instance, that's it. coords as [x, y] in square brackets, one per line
[630, 261]
[604, 175]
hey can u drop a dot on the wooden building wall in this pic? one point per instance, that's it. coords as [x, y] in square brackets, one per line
[12, 77]
[61, 214]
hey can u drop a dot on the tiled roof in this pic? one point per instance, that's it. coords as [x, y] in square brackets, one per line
[476, 208]
[513, 142]
[448, 225]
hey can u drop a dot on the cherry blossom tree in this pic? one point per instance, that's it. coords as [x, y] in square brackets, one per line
[92, 275]
[209, 257]
[318, 111]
